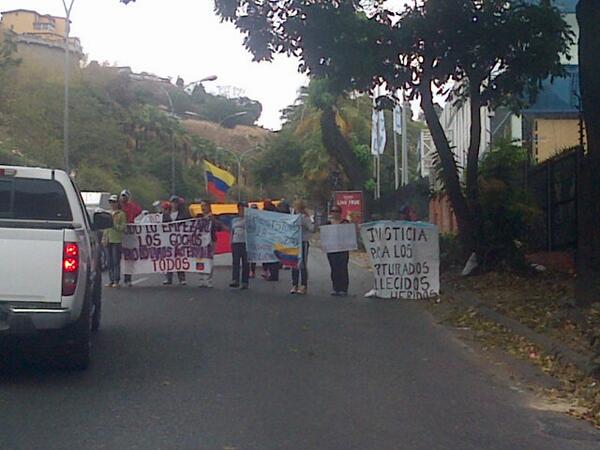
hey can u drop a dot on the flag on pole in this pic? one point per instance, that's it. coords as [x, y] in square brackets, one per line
[378, 136]
[398, 119]
[218, 181]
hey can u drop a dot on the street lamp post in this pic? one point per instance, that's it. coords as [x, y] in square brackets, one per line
[238, 159]
[172, 108]
[68, 10]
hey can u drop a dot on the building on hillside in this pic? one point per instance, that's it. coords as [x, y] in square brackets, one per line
[30, 28]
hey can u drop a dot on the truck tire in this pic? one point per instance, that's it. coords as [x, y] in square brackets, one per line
[78, 341]
[97, 304]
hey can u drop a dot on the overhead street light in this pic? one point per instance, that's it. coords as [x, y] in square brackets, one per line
[172, 108]
[238, 159]
[231, 116]
[194, 83]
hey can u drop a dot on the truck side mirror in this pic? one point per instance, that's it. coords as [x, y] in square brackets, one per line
[102, 220]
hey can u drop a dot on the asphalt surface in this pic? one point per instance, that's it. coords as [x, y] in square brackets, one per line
[191, 368]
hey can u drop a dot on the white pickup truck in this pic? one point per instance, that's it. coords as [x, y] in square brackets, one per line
[50, 279]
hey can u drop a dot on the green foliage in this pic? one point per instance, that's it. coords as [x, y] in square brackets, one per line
[120, 135]
[508, 212]
[297, 151]
[451, 252]
[494, 52]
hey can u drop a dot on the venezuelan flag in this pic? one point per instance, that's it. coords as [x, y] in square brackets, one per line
[288, 256]
[218, 181]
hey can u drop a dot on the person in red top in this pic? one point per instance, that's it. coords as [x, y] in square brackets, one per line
[132, 210]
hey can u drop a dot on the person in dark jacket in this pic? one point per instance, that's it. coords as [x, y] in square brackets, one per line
[338, 261]
[176, 212]
[253, 264]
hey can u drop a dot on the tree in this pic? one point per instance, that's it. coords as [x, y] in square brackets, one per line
[588, 254]
[493, 52]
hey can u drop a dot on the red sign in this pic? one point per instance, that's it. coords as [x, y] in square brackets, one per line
[352, 204]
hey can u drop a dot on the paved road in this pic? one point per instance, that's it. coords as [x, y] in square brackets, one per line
[187, 368]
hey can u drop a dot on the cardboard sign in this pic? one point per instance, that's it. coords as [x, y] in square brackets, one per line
[183, 246]
[338, 238]
[273, 237]
[405, 257]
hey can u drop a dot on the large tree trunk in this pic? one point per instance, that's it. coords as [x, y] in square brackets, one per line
[588, 233]
[474, 145]
[466, 225]
[340, 149]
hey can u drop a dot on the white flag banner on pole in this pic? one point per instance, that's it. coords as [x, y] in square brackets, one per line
[378, 136]
[398, 119]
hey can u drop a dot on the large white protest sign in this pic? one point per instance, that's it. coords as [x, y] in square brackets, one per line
[168, 247]
[405, 257]
[273, 237]
[338, 238]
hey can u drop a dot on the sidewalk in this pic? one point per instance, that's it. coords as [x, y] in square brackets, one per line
[535, 320]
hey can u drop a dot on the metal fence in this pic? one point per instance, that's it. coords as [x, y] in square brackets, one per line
[553, 185]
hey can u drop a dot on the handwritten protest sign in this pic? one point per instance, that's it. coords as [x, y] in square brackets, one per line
[338, 238]
[405, 257]
[168, 247]
[273, 237]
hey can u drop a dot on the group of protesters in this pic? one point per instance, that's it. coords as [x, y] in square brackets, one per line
[126, 211]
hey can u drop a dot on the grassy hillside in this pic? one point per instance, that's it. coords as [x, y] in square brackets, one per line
[122, 135]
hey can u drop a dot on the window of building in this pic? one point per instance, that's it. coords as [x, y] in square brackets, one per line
[43, 26]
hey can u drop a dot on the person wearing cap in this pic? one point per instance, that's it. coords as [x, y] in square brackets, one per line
[175, 213]
[238, 249]
[112, 239]
[338, 261]
[131, 210]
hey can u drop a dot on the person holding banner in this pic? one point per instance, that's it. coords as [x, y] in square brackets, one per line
[176, 212]
[301, 274]
[238, 249]
[112, 239]
[131, 210]
[271, 270]
[206, 279]
[253, 264]
[338, 261]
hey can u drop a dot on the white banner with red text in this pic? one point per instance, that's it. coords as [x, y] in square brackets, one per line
[183, 246]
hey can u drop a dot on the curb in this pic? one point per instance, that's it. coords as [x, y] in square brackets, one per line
[583, 361]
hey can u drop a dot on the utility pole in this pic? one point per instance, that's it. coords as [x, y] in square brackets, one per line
[67, 69]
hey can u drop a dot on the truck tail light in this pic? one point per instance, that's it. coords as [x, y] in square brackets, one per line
[70, 268]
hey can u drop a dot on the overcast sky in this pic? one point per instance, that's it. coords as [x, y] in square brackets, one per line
[176, 37]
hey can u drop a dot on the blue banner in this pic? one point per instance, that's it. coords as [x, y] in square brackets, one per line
[273, 237]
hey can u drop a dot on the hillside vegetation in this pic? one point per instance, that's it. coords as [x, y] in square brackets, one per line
[122, 132]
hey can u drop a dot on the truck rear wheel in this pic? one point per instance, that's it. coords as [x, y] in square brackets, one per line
[78, 341]
[97, 304]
